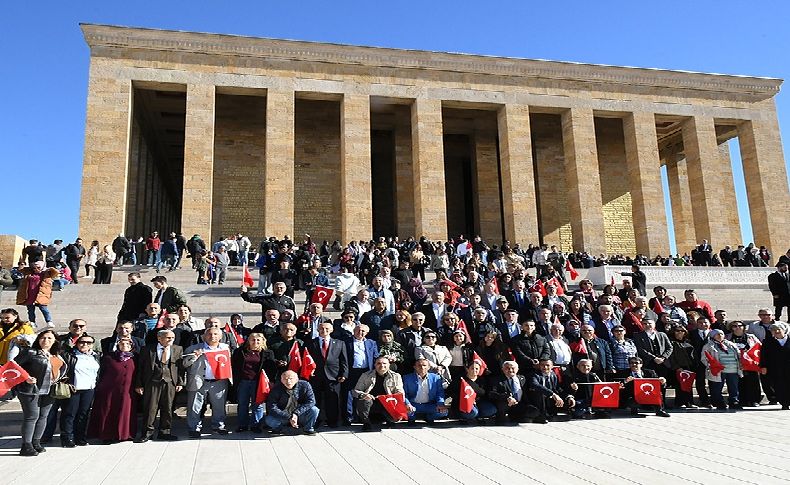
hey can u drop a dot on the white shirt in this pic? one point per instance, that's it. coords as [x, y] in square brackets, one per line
[423, 392]
[160, 349]
[438, 311]
[562, 351]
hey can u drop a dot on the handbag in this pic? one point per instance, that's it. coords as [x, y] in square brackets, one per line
[60, 390]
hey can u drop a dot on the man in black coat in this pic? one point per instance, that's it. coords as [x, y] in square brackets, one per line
[158, 378]
[331, 360]
[529, 348]
[775, 362]
[277, 300]
[435, 310]
[637, 372]
[779, 286]
[168, 297]
[518, 299]
[638, 279]
[136, 297]
[75, 253]
[509, 394]
[698, 338]
[547, 394]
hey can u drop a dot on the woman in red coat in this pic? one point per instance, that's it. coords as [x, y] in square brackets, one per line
[113, 416]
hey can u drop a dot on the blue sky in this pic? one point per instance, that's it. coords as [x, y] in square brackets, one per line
[43, 76]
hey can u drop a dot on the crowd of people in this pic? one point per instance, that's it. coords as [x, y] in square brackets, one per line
[484, 341]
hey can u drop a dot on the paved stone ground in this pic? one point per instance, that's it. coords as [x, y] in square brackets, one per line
[696, 447]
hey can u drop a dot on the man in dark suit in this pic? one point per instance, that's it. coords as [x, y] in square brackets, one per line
[509, 328]
[779, 286]
[518, 299]
[122, 330]
[332, 370]
[547, 394]
[410, 338]
[726, 256]
[158, 378]
[638, 279]
[435, 310]
[529, 348]
[595, 349]
[703, 253]
[654, 348]
[637, 372]
[698, 338]
[509, 394]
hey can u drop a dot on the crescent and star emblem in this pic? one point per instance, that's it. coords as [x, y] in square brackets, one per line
[468, 391]
[685, 375]
[394, 401]
[219, 358]
[321, 294]
[606, 391]
[647, 388]
[16, 373]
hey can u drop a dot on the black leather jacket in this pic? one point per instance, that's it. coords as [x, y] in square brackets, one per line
[36, 363]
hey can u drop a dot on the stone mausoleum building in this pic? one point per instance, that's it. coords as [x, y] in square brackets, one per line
[213, 134]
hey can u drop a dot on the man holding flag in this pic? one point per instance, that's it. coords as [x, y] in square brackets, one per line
[378, 395]
[208, 374]
[644, 387]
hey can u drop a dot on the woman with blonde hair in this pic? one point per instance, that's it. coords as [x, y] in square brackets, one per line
[247, 363]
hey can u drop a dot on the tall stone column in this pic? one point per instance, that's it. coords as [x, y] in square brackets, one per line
[278, 190]
[766, 182]
[644, 174]
[198, 161]
[486, 186]
[106, 157]
[356, 221]
[680, 197]
[729, 204]
[404, 174]
[430, 209]
[584, 180]
[517, 173]
[705, 179]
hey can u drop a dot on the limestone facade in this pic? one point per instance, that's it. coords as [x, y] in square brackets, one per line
[346, 142]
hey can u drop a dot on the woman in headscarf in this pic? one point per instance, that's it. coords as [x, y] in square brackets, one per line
[438, 356]
[722, 361]
[113, 416]
[390, 349]
[417, 292]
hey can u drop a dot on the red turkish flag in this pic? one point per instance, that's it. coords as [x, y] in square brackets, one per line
[571, 270]
[322, 295]
[496, 284]
[219, 362]
[308, 366]
[232, 331]
[647, 391]
[578, 347]
[11, 374]
[246, 278]
[685, 379]
[462, 327]
[554, 281]
[750, 359]
[161, 322]
[605, 395]
[262, 392]
[480, 361]
[539, 288]
[294, 358]
[467, 398]
[713, 363]
[394, 405]
[657, 307]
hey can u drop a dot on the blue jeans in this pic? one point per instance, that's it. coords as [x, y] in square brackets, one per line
[426, 411]
[482, 409]
[171, 260]
[731, 379]
[306, 420]
[242, 258]
[245, 396]
[31, 313]
[153, 256]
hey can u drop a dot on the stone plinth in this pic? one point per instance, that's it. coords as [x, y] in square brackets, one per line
[11, 247]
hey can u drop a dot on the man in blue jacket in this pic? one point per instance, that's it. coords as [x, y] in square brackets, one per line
[424, 394]
[291, 401]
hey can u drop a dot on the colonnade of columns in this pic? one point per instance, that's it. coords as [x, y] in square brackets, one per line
[697, 186]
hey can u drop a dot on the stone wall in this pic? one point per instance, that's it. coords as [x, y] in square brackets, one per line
[551, 192]
[317, 170]
[239, 166]
[615, 191]
[10, 249]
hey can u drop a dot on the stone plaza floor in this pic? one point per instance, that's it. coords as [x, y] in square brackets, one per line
[694, 447]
